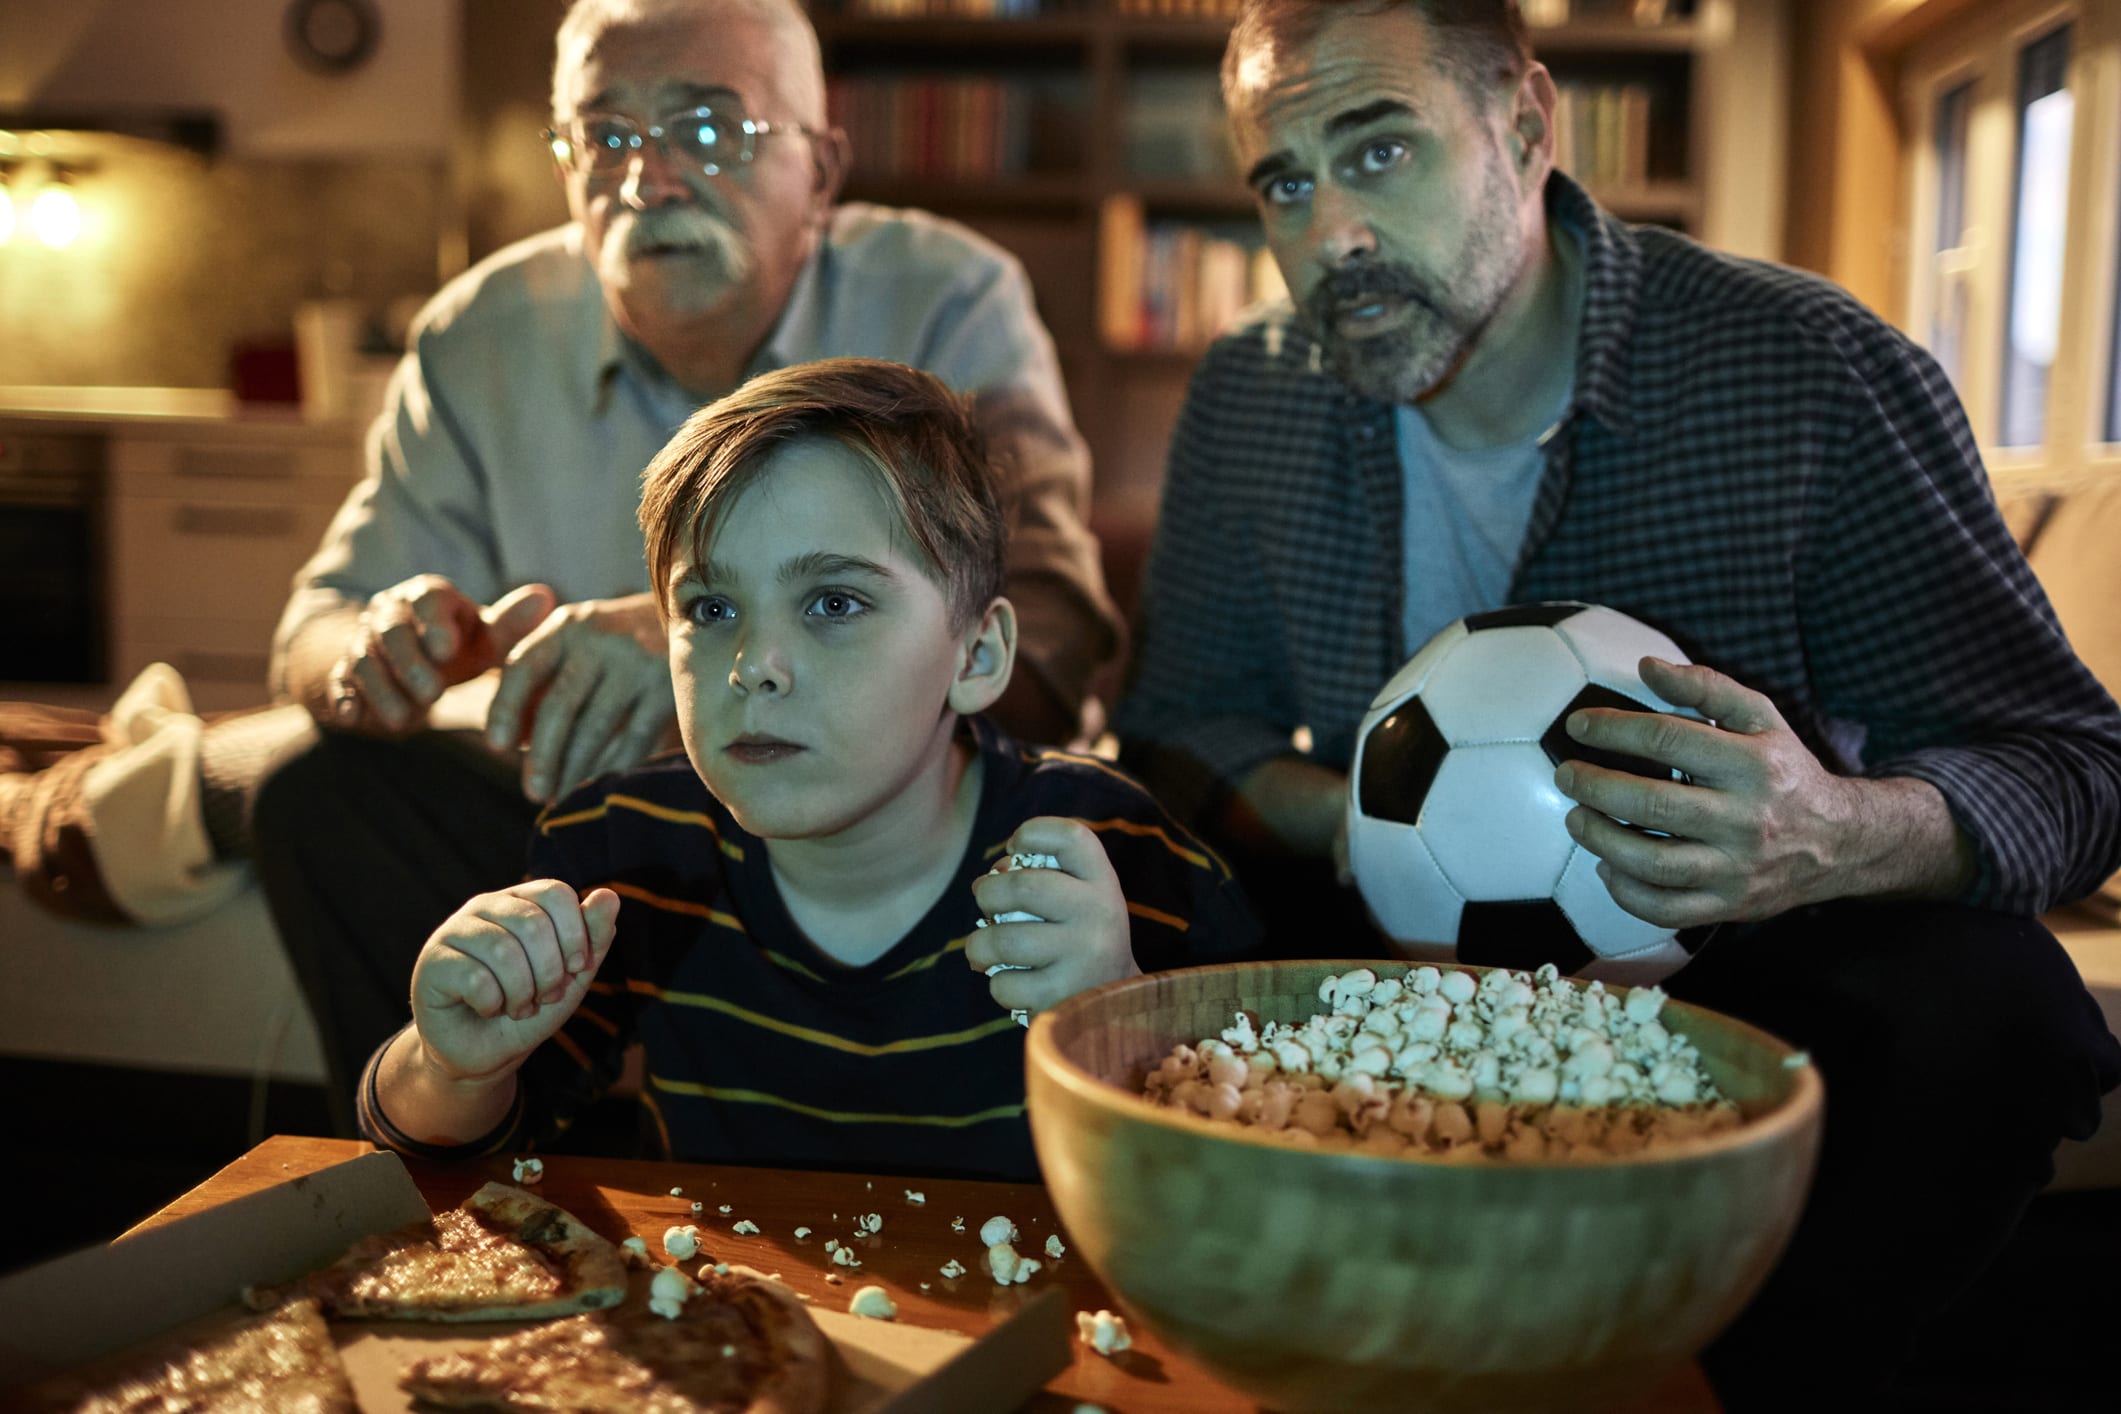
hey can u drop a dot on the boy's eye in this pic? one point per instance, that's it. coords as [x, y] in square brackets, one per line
[836, 604]
[709, 609]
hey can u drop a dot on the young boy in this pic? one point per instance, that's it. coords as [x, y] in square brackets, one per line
[801, 956]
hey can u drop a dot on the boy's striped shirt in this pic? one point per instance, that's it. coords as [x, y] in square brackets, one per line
[761, 1050]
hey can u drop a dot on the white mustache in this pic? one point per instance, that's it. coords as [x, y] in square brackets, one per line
[636, 233]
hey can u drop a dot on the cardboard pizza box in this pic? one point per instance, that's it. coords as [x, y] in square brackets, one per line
[183, 1278]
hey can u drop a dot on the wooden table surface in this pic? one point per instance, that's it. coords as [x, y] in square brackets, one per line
[622, 1198]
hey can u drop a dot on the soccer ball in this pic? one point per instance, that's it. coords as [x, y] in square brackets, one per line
[1455, 832]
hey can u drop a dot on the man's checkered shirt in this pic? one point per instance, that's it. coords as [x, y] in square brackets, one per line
[1752, 462]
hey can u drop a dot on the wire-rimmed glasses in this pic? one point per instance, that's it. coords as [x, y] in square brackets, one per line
[712, 137]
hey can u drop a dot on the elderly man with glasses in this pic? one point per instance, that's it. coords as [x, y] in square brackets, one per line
[495, 528]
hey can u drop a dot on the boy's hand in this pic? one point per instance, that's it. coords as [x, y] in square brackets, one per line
[1083, 939]
[501, 974]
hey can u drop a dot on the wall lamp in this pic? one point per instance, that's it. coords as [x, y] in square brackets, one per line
[52, 215]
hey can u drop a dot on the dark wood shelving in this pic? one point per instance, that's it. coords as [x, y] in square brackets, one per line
[1126, 399]
[1061, 194]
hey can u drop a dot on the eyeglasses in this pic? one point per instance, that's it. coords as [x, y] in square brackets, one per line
[708, 136]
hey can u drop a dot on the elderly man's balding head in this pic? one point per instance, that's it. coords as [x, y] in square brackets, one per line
[802, 80]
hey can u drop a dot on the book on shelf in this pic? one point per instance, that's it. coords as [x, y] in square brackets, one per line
[932, 128]
[1176, 285]
[1602, 133]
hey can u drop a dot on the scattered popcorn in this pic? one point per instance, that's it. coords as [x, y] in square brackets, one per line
[1055, 1247]
[698, 1206]
[924, 1286]
[1511, 1065]
[677, 1192]
[957, 1224]
[872, 1224]
[832, 1244]
[729, 1352]
[720, 1269]
[744, 1227]
[801, 1233]
[833, 1277]
[634, 1252]
[913, 1197]
[667, 1293]
[1007, 1267]
[997, 1229]
[528, 1170]
[953, 1269]
[1103, 1331]
[844, 1256]
[872, 1302]
[682, 1243]
[726, 1209]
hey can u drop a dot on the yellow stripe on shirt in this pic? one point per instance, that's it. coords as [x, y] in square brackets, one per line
[922, 964]
[617, 801]
[675, 905]
[1157, 915]
[760, 1097]
[822, 1038]
[713, 915]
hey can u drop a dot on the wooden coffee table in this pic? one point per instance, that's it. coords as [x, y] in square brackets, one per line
[622, 1197]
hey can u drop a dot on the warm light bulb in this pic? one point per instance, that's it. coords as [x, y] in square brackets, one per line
[55, 216]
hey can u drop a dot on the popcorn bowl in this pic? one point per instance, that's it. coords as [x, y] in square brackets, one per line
[1323, 1279]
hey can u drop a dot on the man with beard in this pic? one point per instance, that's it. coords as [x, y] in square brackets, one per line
[1489, 391]
[496, 530]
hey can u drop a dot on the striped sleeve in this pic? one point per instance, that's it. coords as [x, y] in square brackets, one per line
[1184, 906]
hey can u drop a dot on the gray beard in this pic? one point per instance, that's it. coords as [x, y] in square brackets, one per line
[1402, 364]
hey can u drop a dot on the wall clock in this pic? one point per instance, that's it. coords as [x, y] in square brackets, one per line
[332, 36]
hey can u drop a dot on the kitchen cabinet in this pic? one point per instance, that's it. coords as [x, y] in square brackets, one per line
[206, 532]
[200, 513]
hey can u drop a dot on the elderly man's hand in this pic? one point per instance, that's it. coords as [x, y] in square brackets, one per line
[414, 639]
[587, 691]
[1761, 828]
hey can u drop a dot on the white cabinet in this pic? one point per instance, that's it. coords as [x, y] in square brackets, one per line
[207, 528]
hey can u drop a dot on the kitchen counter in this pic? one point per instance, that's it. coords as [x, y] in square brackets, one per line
[150, 412]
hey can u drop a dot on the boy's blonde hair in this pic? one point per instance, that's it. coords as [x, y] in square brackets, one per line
[916, 435]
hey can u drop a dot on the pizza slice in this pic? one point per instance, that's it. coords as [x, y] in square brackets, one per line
[738, 1343]
[281, 1361]
[503, 1255]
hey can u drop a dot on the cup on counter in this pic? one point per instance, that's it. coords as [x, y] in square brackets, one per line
[327, 334]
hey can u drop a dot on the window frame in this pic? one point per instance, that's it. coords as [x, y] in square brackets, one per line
[1984, 45]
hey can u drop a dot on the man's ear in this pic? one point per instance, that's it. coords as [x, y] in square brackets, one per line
[832, 157]
[1532, 126]
[986, 659]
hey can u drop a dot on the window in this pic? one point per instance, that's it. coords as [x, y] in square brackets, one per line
[1952, 249]
[2014, 166]
[2033, 313]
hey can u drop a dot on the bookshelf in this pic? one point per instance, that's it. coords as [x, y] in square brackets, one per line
[1101, 159]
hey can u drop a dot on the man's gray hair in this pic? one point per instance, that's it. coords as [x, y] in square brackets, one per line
[587, 21]
[1480, 43]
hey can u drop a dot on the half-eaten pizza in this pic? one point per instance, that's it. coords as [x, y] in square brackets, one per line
[738, 1343]
[503, 1255]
